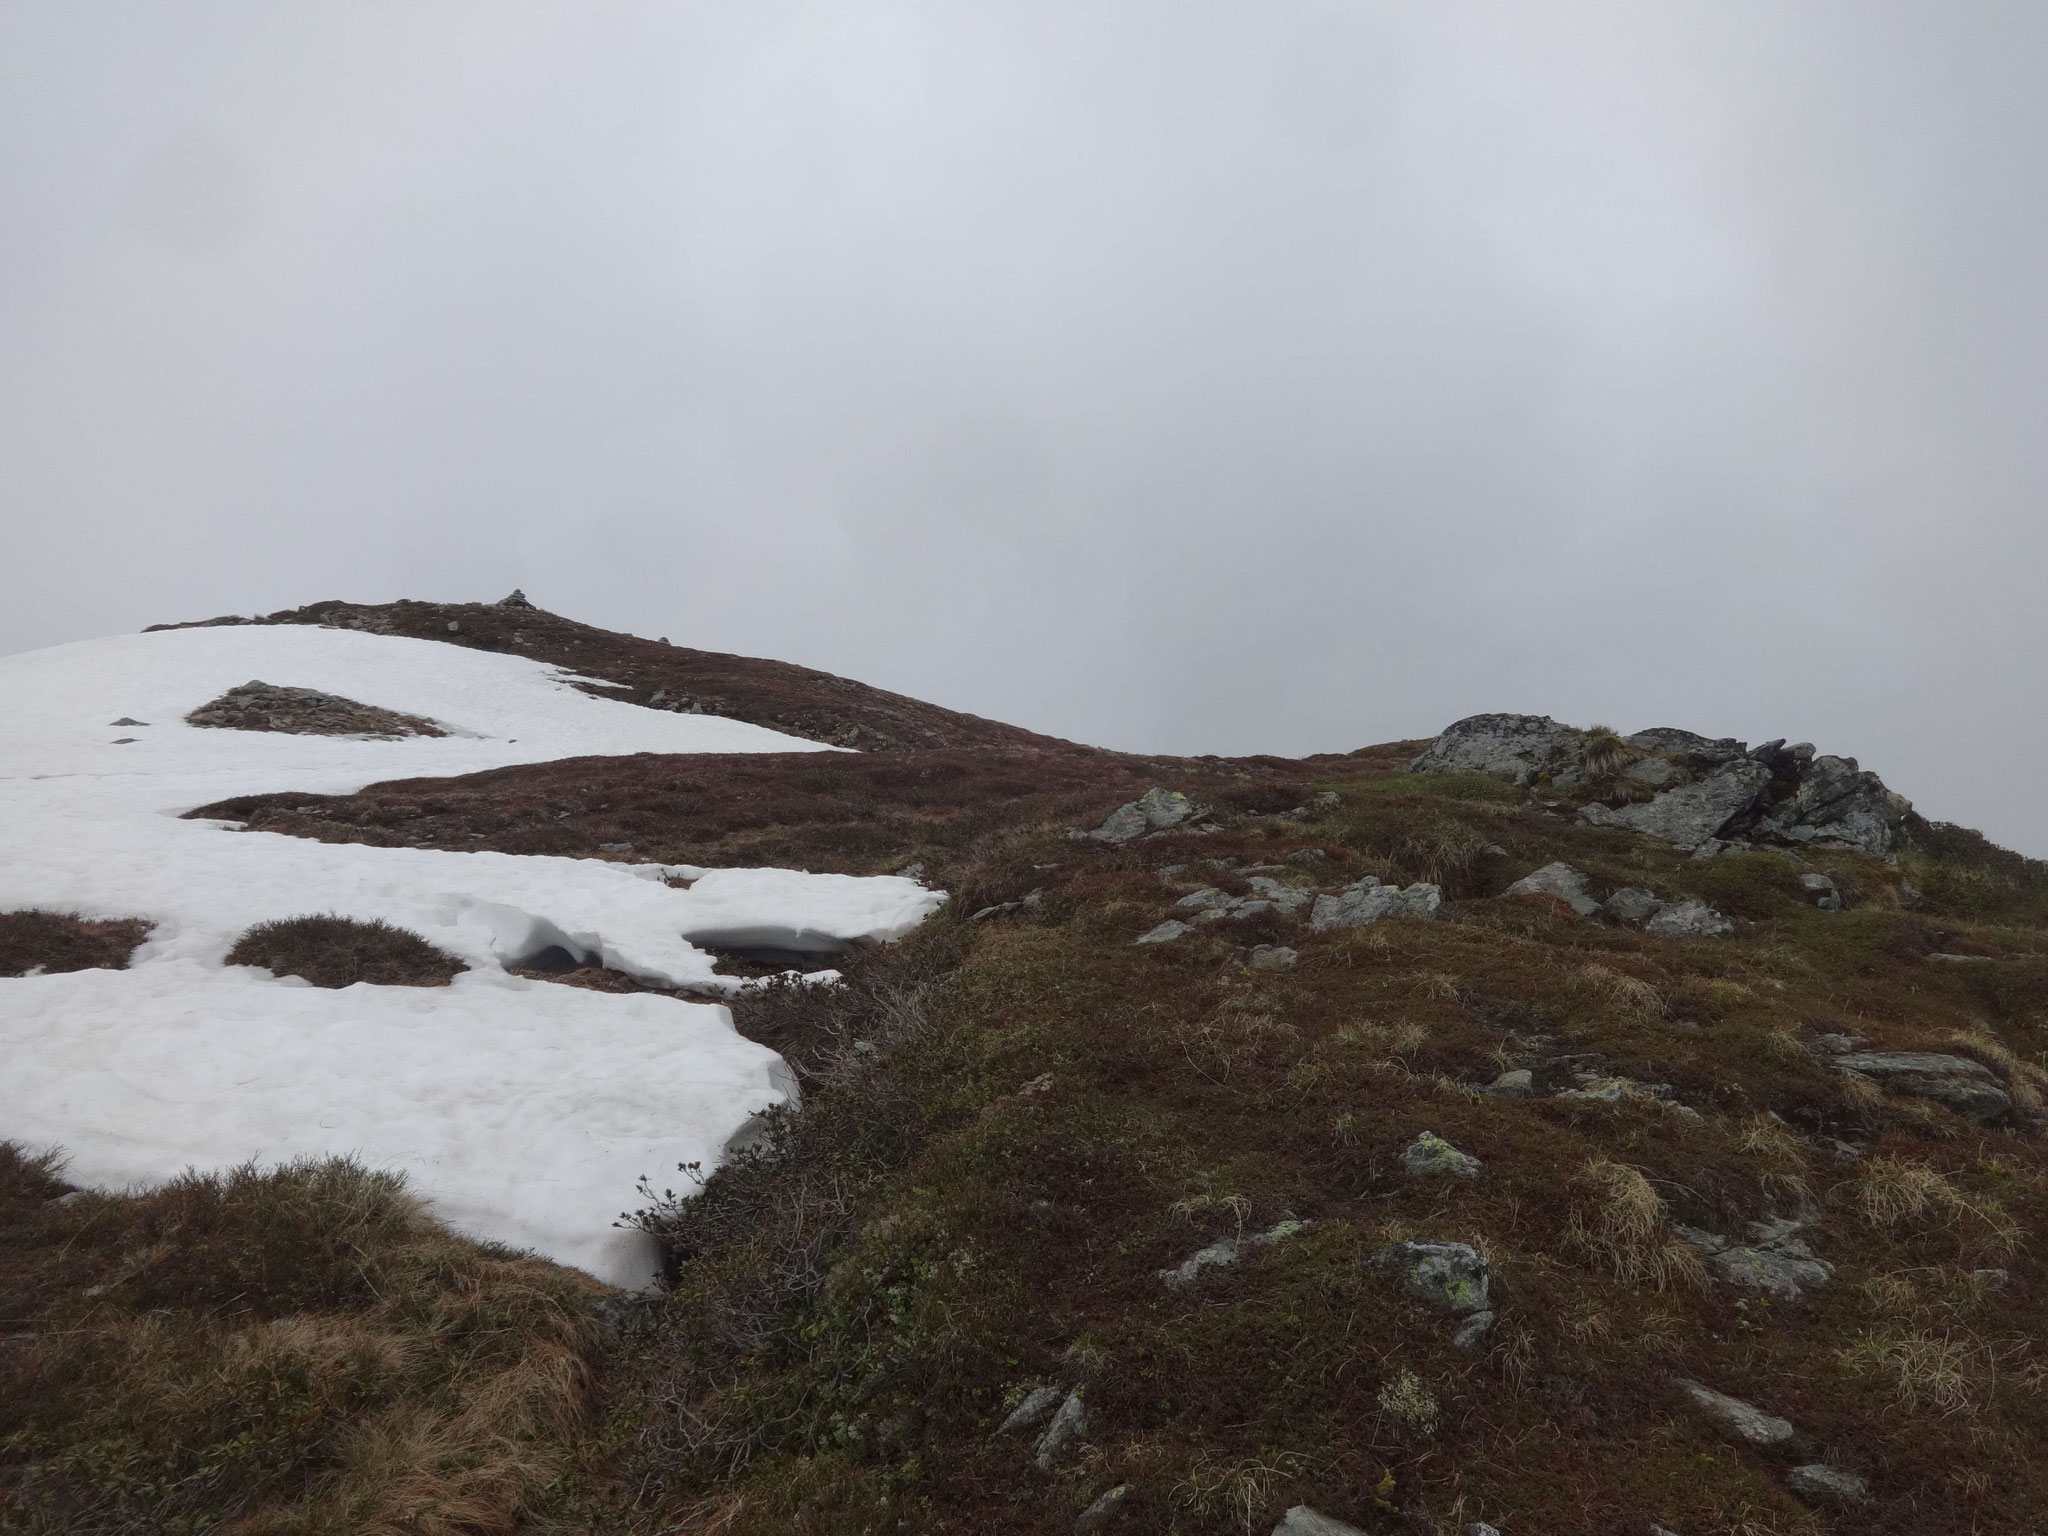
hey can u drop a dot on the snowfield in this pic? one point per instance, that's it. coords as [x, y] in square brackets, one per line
[523, 1110]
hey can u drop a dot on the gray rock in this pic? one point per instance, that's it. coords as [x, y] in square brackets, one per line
[1067, 1426]
[1690, 814]
[1165, 933]
[1656, 772]
[1156, 810]
[1102, 1511]
[1746, 1420]
[1519, 748]
[1965, 1086]
[1303, 1521]
[912, 871]
[1824, 892]
[1472, 1330]
[1122, 825]
[1226, 1252]
[1775, 1260]
[1273, 957]
[1633, 904]
[1289, 899]
[1429, 1154]
[1368, 901]
[1615, 1090]
[1452, 1276]
[1481, 1528]
[1208, 896]
[1518, 1084]
[1307, 858]
[1690, 920]
[614, 847]
[126, 720]
[1034, 1410]
[517, 599]
[1818, 1481]
[74, 1197]
[1562, 881]
[1252, 908]
[1839, 1045]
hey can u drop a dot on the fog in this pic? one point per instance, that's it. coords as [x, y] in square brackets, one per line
[1214, 378]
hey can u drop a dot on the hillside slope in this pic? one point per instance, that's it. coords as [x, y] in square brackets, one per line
[1603, 1142]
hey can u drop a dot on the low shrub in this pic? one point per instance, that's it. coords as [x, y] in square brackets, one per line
[335, 951]
[51, 942]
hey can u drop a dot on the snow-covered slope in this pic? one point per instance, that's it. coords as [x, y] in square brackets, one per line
[524, 1109]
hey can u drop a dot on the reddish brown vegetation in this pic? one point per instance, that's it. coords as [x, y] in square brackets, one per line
[332, 951]
[62, 941]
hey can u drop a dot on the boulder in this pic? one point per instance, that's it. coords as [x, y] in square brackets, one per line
[1289, 899]
[1775, 1260]
[1273, 957]
[1562, 881]
[1690, 920]
[1156, 810]
[1518, 1084]
[1303, 1521]
[1746, 1420]
[1694, 750]
[1965, 1086]
[1474, 1328]
[517, 599]
[1453, 1276]
[1690, 814]
[1838, 805]
[1223, 1254]
[1207, 897]
[1429, 1154]
[1519, 748]
[1823, 891]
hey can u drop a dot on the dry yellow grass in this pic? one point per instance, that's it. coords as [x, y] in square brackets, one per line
[1617, 1220]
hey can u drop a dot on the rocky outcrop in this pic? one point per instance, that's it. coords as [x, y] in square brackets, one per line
[1226, 1252]
[1430, 1155]
[1157, 810]
[1775, 1259]
[1703, 790]
[1451, 1276]
[1562, 881]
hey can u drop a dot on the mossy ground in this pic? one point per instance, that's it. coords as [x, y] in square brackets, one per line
[1012, 1126]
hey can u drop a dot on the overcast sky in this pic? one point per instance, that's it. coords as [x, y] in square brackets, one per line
[1278, 376]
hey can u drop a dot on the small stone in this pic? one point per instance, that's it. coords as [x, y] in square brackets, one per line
[911, 871]
[1302, 857]
[1453, 1276]
[1034, 1410]
[1746, 1420]
[1481, 1528]
[1818, 1481]
[1303, 1521]
[1288, 899]
[1207, 897]
[125, 720]
[1102, 1511]
[1561, 882]
[614, 847]
[1165, 933]
[122, 741]
[1273, 957]
[1518, 1084]
[454, 627]
[1067, 1426]
[1430, 1154]
[1983, 1279]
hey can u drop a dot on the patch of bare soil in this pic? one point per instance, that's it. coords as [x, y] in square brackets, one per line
[331, 951]
[51, 942]
[261, 706]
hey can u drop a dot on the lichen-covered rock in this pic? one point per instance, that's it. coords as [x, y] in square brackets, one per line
[1965, 1086]
[1429, 1154]
[1690, 920]
[1273, 957]
[1453, 1276]
[1561, 881]
[1687, 747]
[1035, 1408]
[1519, 748]
[1745, 1420]
[1517, 1084]
[1775, 1260]
[1287, 899]
[1839, 805]
[1475, 1327]
[1156, 810]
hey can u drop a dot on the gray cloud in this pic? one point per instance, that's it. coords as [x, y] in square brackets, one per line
[1214, 378]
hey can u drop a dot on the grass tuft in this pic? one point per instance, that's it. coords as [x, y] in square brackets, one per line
[51, 942]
